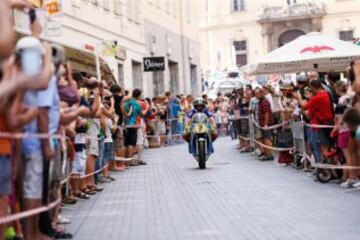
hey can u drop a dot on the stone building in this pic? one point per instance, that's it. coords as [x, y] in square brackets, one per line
[236, 32]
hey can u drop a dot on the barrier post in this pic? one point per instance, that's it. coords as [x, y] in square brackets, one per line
[252, 133]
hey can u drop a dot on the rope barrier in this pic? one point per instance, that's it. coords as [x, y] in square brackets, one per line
[329, 166]
[274, 148]
[28, 213]
[91, 174]
[123, 159]
[319, 126]
[31, 135]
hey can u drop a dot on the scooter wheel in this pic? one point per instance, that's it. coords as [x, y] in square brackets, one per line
[324, 175]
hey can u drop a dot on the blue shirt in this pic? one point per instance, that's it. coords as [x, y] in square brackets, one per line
[135, 107]
[47, 98]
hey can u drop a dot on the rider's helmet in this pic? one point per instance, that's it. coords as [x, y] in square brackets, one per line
[199, 104]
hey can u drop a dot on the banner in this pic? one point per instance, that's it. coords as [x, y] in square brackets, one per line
[53, 7]
[154, 64]
[109, 48]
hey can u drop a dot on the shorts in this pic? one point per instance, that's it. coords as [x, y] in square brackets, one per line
[266, 133]
[118, 140]
[344, 139]
[93, 143]
[130, 136]
[258, 133]
[33, 177]
[140, 137]
[5, 176]
[244, 132]
[79, 163]
[108, 152]
[160, 128]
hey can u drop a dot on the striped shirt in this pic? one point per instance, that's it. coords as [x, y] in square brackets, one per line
[263, 108]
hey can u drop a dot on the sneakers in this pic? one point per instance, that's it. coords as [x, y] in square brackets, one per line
[357, 184]
[350, 183]
[62, 220]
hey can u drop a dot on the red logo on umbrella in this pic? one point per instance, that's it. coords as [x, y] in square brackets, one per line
[317, 49]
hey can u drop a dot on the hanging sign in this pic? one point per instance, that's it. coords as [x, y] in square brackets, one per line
[154, 64]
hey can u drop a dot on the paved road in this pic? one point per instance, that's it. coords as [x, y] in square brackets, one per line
[237, 197]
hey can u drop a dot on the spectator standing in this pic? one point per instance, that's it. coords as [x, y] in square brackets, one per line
[320, 111]
[265, 120]
[132, 110]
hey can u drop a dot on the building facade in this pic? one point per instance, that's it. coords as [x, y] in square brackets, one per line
[236, 32]
[171, 32]
[141, 28]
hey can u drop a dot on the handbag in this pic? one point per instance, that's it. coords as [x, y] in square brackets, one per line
[68, 94]
[284, 139]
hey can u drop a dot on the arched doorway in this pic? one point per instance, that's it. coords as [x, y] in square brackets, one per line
[288, 36]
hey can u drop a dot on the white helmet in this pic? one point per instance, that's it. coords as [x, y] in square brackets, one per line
[29, 42]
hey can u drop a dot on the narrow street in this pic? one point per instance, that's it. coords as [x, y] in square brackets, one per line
[237, 197]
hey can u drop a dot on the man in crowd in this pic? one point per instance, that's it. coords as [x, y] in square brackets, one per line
[319, 110]
[265, 120]
[132, 110]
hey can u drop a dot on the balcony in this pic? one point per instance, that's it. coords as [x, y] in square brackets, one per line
[291, 12]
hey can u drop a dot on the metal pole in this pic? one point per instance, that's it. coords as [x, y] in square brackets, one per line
[97, 59]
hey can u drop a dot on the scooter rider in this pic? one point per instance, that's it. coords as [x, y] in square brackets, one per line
[199, 105]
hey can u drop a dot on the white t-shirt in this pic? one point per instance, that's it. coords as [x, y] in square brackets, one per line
[270, 98]
[109, 126]
[218, 117]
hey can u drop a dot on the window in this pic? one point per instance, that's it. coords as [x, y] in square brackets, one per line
[240, 52]
[240, 45]
[346, 35]
[291, 2]
[238, 5]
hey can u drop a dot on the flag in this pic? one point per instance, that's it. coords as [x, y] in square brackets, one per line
[109, 48]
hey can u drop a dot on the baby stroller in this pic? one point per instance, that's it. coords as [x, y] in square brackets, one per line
[333, 156]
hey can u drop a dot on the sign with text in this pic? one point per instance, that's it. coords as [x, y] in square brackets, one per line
[154, 64]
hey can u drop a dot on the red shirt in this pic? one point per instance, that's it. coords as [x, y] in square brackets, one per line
[263, 108]
[320, 108]
[143, 107]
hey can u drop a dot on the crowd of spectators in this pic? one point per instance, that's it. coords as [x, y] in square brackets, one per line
[62, 132]
[328, 105]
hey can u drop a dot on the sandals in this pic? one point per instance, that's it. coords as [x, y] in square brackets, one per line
[82, 195]
[88, 191]
[111, 178]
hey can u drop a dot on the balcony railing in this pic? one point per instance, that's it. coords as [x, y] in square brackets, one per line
[296, 11]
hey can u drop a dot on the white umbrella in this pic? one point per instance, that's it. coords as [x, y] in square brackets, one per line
[311, 52]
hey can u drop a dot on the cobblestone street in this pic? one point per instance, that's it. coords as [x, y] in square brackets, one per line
[237, 197]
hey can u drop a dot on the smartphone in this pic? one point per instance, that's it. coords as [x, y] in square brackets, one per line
[32, 16]
[31, 61]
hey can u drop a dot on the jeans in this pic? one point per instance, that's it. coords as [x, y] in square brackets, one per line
[315, 144]
[100, 159]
